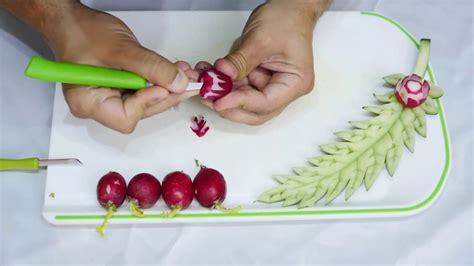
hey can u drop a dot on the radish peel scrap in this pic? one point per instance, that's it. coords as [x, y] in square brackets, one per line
[199, 126]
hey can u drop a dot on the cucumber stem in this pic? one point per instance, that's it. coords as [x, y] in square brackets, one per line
[110, 211]
[423, 58]
[135, 209]
[218, 206]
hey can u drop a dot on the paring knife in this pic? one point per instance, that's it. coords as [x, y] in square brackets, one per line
[46, 70]
[34, 164]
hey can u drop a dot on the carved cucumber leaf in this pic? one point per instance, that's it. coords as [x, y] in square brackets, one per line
[358, 158]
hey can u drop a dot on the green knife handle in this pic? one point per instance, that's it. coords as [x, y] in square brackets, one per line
[19, 164]
[43, 69]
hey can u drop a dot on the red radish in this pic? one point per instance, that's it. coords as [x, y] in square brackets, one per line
[210, 189]
[215, 85]
[177, 192]
[199, 126]
[412, 90]
[111, 193]
[143, 192]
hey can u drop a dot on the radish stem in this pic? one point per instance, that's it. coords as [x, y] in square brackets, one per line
[172, 213]
[423, 58]
[135, 209]
[110, 211]
[218, 206]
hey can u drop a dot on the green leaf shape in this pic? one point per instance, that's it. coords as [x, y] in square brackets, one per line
[429, 106]
[358, 158]
[393, 79]
[436, 92]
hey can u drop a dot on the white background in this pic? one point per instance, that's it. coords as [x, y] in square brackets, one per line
[441, 234]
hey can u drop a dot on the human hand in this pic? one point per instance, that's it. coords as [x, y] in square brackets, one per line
[87, 36]
[273, 64]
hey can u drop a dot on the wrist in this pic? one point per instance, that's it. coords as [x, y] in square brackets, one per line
[56, 20]
[312, 9]
[41, 15]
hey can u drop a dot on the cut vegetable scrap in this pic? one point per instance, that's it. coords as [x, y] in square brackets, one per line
[199, 126]
[367, 148]
[215, 85]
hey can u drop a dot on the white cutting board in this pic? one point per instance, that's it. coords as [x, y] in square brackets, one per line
[352, 52]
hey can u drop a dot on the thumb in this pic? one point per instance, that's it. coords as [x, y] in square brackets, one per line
[245, 58]
[153, 67]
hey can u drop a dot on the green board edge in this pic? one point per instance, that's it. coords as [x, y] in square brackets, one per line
[408, 209]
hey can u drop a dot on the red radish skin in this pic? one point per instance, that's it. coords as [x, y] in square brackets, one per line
[210, 189]
[199, 126]
[111, 193]
[177, 191]
[143, 192]
[215, 85]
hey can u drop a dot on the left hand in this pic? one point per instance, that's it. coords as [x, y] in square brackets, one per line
[273, 64]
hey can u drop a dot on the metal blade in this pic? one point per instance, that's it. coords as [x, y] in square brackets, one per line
[70, 161]
[194, 86]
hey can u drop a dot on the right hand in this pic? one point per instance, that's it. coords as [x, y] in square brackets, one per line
[87, 36]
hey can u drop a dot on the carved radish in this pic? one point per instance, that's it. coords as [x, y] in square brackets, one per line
[412, 90]
[215, 85]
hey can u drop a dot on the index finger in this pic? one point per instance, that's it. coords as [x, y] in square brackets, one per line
[278, 93]
[109, 107]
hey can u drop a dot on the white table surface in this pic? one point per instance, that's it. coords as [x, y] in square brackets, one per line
[442, 234]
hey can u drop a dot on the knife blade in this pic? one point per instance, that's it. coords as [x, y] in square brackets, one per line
[34, 163]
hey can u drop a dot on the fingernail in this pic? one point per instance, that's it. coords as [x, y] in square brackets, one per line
[179, 82]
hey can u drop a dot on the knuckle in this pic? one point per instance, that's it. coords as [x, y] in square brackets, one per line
[308, 84]
[126, 128]
[257, 122]
[239, 61]
[262, 41]
[154, 62]
[118, 54]
[77, 112]
[77, 108]
[269, 106]
[223, 114]
[160, 69]
[264, 106]
[266, 109]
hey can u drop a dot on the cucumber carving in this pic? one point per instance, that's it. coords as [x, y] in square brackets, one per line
[367, 148]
